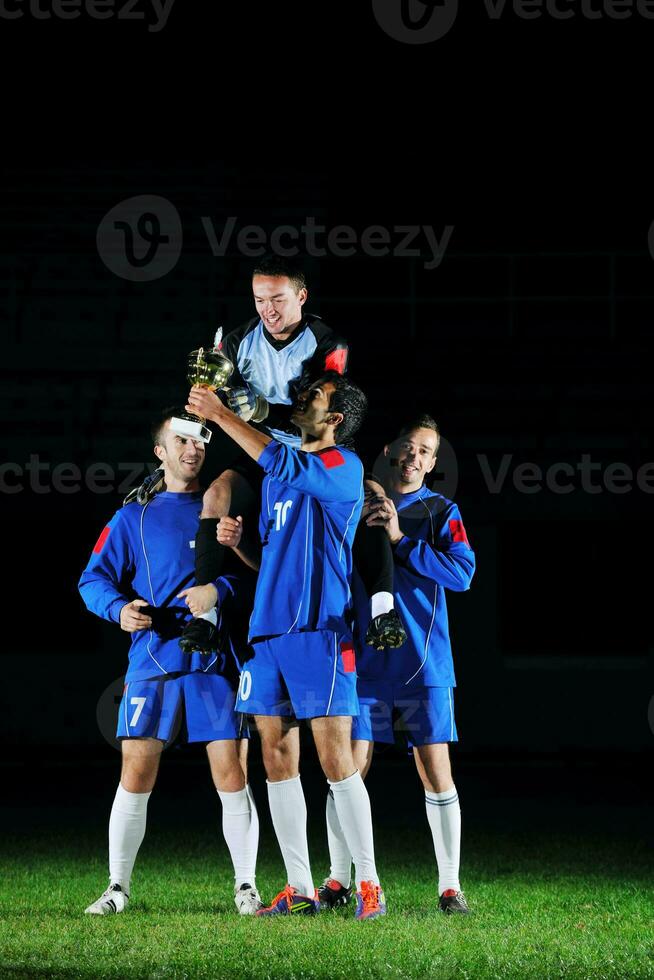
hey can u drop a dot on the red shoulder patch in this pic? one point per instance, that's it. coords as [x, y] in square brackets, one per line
[458, 532]
[99, 544]
[331, 458]
[336, 360]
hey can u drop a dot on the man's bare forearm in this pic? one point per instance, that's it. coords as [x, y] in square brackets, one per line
[248, 438]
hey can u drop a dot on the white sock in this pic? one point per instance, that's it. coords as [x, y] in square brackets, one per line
[444, 816]
[212, 616]
[339, 853]
[289, 816]
[126, 833]
[381, 602]
[352, 805]
[241, 833]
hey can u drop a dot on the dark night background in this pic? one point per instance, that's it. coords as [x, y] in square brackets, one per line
[532, 338]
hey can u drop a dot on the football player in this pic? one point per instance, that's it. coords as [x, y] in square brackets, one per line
[303, 663]
[415, 682]
[277, 354]
[140, 576]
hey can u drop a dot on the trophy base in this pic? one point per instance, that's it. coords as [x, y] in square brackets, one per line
[192, 429]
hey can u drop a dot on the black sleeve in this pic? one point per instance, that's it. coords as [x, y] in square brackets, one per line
[331, 354]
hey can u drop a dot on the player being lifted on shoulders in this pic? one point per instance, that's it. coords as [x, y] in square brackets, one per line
[277, 354]
[416, 681]
[140, 577]
[303, 663]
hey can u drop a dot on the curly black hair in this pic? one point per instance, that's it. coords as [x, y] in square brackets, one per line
[350, 401]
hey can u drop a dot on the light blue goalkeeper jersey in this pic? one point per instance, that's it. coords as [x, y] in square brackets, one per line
[310, 507]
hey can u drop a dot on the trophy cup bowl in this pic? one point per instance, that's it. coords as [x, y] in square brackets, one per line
[212, 370]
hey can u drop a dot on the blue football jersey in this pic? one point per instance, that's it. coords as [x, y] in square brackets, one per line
[310, 507]
[434, 555]
[147, 552]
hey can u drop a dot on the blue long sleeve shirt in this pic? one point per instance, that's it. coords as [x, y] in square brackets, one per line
[147, 552]
[433, 555]
[311, 504]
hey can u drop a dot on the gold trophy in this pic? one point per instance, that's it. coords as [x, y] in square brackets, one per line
[211, 369]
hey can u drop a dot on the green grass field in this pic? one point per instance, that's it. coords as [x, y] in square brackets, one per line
[543, 907]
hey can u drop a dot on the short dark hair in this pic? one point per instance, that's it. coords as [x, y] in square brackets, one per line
[274, 265]
[421, 422]
[350, 401]
[157, 426]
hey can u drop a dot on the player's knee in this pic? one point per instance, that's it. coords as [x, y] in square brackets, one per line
[228, 778]
[279, 763]
[436, 772]
[337, 765]
[217, 498]
[226, 769]
[138, 778]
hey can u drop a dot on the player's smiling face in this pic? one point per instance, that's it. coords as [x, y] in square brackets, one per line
[181, 458]
[412, 457]
[277, 303]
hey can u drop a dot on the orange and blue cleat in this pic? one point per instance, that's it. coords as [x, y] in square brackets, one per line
[290, 902]
[370, 901]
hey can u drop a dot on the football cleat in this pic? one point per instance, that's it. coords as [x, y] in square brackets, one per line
[290, 902]
[114, 900]
[452, 901]
[333, 895]
[247, 899]
[371, 901]
[200, 635]
[385, 632]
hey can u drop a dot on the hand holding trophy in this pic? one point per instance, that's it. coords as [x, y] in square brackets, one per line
[210, 369]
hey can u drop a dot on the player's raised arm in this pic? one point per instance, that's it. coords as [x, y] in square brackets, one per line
[207, 404]
[449, 560]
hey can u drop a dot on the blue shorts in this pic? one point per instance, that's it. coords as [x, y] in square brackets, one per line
[306, 675]
[198, 706]
[425, 715]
